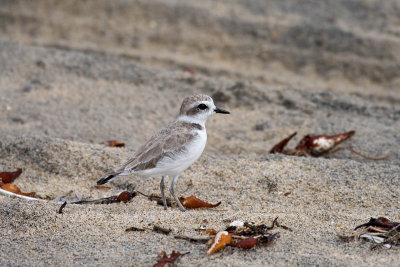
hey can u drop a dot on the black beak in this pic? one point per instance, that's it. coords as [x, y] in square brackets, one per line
[220, 110]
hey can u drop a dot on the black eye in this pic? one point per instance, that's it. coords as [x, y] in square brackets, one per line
[202, 106]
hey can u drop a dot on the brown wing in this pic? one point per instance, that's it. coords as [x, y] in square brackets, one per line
[166, 142]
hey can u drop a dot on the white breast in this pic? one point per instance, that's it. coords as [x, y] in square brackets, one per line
[173, 166]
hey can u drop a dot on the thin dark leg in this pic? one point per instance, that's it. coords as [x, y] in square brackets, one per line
[171, 190]
[162, 187]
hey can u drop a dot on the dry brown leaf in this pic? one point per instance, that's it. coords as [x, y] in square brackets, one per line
[15, 189]
[113, 143]
[189, 70]
[124, 196]
[219, 242]
[278, 148]
[321, 144]
[247, 243]
[312, 145]
[382, 231]
[102, 187]
[209, 232]
[9, 177]
[164, 259]
[193, 202]
[382, 222]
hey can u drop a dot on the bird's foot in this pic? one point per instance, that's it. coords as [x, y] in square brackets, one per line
[181, 208]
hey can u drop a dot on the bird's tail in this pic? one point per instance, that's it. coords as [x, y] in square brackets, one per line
[107, 179]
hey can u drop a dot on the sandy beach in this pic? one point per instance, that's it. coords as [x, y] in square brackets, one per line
[74, 74]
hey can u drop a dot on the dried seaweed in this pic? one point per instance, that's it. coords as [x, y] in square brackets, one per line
[381, 231]
[247, 235]
[124, 197]
[318, 145]
[312, 145]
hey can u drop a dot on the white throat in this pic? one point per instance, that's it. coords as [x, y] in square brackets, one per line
[190, 119]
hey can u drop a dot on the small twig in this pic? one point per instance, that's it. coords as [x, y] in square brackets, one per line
[376, 229]
[134, 229]
[161, 230]
[387, 241]
[92, 201]
[5, 192]
[60, 211]
[285, 227]
[387, 236]
[372, 234]
[142, 194]
[395, 229]
[275, 221]
[367, 157]
[193, 239]
[123, 196]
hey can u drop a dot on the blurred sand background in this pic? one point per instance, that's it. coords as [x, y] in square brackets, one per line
[75, 73]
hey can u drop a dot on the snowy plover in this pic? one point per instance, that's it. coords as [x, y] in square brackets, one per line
[174, 148]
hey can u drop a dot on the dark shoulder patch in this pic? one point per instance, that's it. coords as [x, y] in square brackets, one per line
[192, 125]
[197, 126]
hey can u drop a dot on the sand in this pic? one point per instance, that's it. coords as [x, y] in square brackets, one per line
[91, 71]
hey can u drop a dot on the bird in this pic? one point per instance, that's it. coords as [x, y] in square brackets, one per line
[174, 148]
